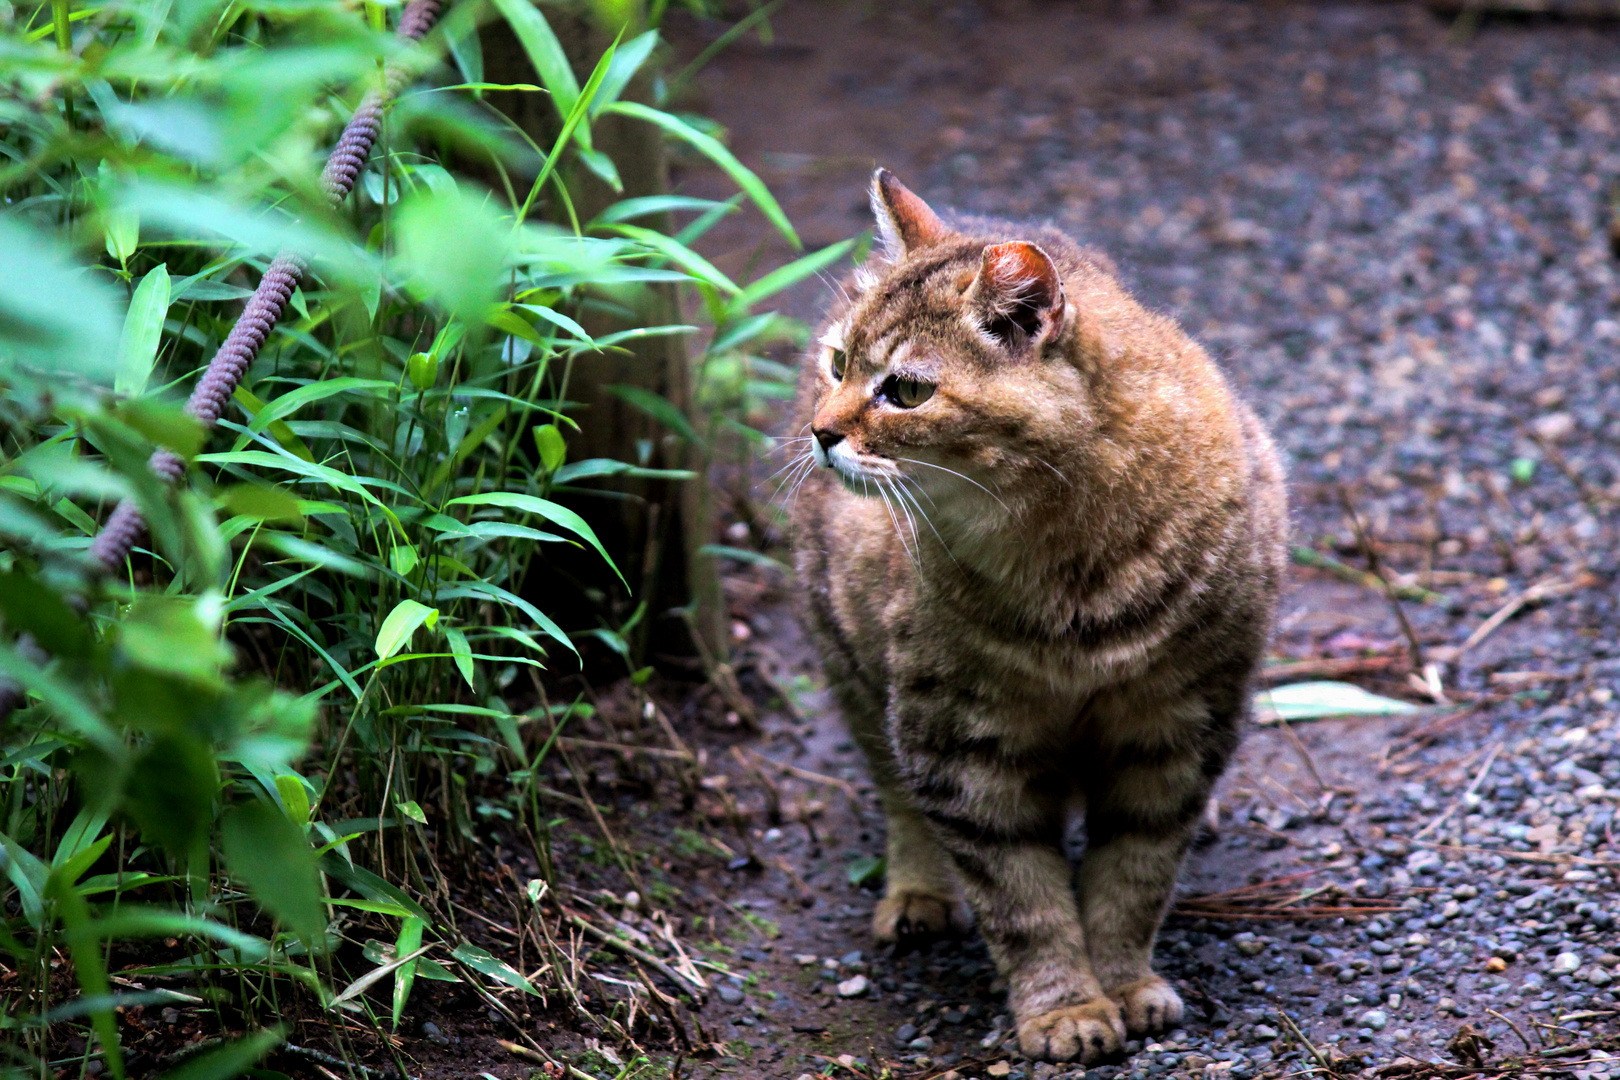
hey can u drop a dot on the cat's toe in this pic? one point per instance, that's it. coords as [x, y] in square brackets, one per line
[912, 913]
[1148, 1005]
[1087, 1033]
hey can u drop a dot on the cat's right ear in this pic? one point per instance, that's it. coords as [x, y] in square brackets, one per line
[904, 222]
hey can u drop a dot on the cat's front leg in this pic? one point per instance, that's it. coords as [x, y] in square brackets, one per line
[999, 815]
[1143, 803]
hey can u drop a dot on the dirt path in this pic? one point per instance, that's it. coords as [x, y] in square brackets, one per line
[1394, 239]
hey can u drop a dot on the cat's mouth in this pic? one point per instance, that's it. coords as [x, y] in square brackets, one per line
[863, 474]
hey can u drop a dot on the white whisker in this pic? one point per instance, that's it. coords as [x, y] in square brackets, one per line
[953, 472]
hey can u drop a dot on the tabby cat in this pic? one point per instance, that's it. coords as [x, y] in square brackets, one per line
[1041, 543]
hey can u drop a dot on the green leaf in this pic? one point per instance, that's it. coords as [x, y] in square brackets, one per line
[143, 329]
[294, 796]
[164, 424]
[177, 636]
[455, 246]
[486, 590]
[409, 941]
[627, 60]
[658, 407]
[461, 653]
[264, 502]
[680, 255]
[594, 467]
[29, 875]
[560, 516]
[88, 965]
[716, 152]
[228, 1060]
[401, 623]
[278, 428]
[1316, 700]
[865, 871]
[551, 445]
[485, 964]
[544, 50]
[403, 558]
[189, 211]
[269, 854]
[369, 885]
[170, 793]
[784, 276]
[53, 315]
[645, 205]
[289, 403]
[26, 604]
[745, 555]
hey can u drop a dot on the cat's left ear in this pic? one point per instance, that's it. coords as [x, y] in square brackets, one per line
[904, 222]
[1018, 294]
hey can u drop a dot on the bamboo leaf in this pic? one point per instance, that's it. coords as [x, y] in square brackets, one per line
[400, 624]
[485, 964]
[461, 653]
[1317, 700]
[716, 152]
[143, 329]
[658, 407]
[560, 516]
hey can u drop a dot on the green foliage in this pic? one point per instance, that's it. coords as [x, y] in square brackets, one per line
[233, 747]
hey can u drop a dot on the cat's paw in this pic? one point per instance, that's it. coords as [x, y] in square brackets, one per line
[1088, 1032]
[913, 913]
[1148, 1005]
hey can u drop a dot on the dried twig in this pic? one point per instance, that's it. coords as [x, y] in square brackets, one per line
[693, 980]
[1542, 590]
[1304, 556]
[1321, 667]
[1414, 647]
[814, 777]
[1479, 778]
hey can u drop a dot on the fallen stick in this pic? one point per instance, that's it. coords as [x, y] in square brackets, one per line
[1326, 666]
[1304, 556]
[643, 955]
[814, 777]
[1543, 590]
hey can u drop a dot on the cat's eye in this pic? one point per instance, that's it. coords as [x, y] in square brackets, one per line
[839, 362]
[907, 393]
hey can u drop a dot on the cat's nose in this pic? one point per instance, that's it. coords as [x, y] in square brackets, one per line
[827, 439]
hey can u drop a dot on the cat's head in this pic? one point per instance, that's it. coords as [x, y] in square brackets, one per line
[947, 360]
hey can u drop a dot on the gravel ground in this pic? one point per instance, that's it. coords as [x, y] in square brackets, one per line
[1396, 238]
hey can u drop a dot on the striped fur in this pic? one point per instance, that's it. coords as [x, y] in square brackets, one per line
[1045, 587]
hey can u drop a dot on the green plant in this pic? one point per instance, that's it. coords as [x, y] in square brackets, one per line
[347, 564]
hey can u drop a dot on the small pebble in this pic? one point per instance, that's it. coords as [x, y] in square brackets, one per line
[853, 987]
[731, 995]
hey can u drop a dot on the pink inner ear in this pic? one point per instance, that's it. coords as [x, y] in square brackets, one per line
[1020, 272]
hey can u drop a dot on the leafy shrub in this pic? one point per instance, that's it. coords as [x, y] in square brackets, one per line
[342, 563]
